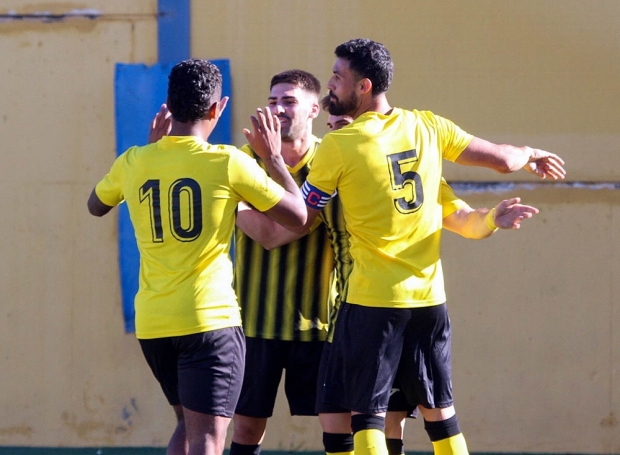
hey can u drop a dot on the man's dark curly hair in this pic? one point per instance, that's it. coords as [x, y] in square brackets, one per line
[193, 86]
[300, 79]
[369, 59]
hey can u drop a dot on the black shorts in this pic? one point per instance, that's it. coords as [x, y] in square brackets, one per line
[203, 372]
[265, 362]
[321, 406]
[373, 347]
[398, 401]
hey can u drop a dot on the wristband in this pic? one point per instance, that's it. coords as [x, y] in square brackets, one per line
[490, 220]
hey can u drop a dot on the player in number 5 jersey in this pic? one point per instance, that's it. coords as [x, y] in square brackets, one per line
[386, 168]
[182, 194]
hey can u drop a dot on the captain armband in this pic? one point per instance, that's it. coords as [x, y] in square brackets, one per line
[315, 198]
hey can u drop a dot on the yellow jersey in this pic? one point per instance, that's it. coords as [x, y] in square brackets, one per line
[387, 171]
[182, 195]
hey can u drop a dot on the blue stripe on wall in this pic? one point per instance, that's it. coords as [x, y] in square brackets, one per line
[173, 30]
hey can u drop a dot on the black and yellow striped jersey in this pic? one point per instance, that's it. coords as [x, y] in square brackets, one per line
[284, 293]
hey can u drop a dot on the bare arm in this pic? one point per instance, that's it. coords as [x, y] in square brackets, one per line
[473, 224]
[95, 206]
[264, 230]
[505, 158]
[265, 140]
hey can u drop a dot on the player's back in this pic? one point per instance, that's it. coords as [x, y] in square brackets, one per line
[182, 206]
[387, 169]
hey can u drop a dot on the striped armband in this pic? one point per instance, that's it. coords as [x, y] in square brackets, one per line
[315, 198]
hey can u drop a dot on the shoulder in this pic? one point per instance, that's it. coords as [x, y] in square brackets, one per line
[247, 150]
[132, 154]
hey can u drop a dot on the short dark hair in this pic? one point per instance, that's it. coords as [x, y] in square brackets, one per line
[370, 60]
[193, 86]
[299, 78]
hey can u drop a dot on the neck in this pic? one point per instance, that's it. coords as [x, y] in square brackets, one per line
[294, 151]
[199, 129]
[373, 104]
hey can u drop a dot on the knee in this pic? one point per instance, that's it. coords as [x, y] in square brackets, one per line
[248, 430]
[437, 414]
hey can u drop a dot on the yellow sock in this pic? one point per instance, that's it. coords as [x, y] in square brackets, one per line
[370, 442]
[340, 453]
[453, 445]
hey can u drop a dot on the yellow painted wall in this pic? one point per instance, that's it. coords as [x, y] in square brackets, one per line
[536, 313]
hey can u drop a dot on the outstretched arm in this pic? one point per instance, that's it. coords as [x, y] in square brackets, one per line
[507, 158]
[482, 223]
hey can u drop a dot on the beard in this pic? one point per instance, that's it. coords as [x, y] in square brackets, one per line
[346, 106]
[292, 131]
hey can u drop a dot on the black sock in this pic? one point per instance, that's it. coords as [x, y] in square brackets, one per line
[395, 446]
[244, 449]
[338, 442]
[443, 429]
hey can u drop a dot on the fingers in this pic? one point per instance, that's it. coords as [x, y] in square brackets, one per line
[277, 124]
[223, 103]
[248, 134]
[266, 121]
[503, 206]
[555, 158]
[510, 213]
[161, 124]
[268, 118]
[545, 164]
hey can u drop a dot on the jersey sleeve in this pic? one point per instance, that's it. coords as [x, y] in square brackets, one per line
[109, 190]
[452, 138]
[252, 183]
[450, 203]
[324, 175]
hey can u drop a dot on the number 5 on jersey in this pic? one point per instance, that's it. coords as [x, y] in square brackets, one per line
[408, 180]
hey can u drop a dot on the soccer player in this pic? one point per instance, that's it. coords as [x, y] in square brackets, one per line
[458, 217]
[386, 168]
[284, 292]
[182, 194]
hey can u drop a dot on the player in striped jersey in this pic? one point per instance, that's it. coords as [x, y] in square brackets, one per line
[284, 292]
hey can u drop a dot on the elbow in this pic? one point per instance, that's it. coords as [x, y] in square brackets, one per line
[97, 210]
[298, 219]
[93, 211]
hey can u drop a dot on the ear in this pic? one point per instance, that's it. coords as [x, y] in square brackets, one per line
[365, 85]
[212, 113]
[315, 111]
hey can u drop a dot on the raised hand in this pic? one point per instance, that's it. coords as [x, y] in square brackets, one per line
[265, 135]
[161, 124]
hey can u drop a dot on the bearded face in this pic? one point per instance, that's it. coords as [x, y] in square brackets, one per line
[343, 106]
